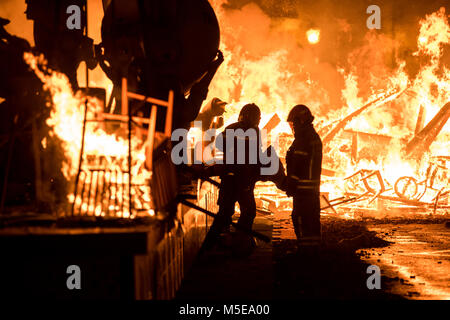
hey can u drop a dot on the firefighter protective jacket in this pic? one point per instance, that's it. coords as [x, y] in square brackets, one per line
[304, 162]
[241, 145]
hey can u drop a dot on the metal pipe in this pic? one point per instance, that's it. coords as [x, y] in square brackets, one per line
[169, 114]
[82, 192]
[151, 138]
[115, 193]
[109, 192]
[118, 117]
[96, 190]
[91, 182]
[87, 35]
[80, 161]
[102, 197]
[123, 192]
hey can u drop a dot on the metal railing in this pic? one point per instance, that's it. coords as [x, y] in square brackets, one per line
[109, 190]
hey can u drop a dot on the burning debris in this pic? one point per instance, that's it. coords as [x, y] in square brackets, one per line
[374, 142]
[96, 161]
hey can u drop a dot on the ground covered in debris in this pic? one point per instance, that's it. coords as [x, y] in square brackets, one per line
[277, 271]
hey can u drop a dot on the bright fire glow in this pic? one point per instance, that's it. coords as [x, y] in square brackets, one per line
[109, 150]
[313, 36]
[284, 75]
[276, 75]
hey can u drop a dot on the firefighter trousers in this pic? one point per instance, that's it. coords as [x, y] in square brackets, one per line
[306, 218]
[227, 200]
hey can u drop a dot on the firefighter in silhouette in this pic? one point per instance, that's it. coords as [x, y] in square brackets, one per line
[240, 143]
[304, 166]
[63, 48]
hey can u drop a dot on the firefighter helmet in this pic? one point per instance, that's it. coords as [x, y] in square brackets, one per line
[250, 114]
[300, 114]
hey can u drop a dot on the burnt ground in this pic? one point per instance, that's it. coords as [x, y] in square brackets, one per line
[275, 271]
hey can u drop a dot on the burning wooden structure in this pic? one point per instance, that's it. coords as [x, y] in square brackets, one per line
[367, 186]
[121, 206]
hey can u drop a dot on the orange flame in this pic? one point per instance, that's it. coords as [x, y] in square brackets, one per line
[276, 78]
[276, 75]
[313, 35]
[66, 120]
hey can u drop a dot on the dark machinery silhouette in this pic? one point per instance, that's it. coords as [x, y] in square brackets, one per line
[158, 46]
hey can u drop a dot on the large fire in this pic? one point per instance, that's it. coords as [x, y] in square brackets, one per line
[102, 149]
[313, 35]
[277, 78]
